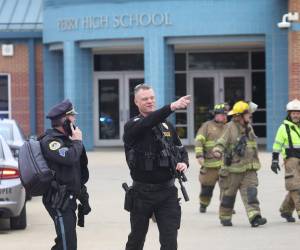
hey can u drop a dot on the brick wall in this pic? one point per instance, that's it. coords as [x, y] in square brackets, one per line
[18, 68]
[294, 56]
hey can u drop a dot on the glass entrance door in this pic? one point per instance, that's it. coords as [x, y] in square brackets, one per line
[131, 81]
[108, 110]
[235, 86]
[210, 88]
[114, 105]
[203, 90]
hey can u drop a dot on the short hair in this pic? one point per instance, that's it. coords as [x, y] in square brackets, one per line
[58, 122]
[143, 86]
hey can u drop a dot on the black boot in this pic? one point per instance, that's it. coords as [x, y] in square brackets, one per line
[202, 208]
[258, 221]
[226, 223]
[288, 217]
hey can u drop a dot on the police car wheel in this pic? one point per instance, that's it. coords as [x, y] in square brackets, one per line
[19, 222]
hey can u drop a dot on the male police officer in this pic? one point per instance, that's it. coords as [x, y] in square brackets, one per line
[205, 141]
[287, 142]
[153, 189]
[64, 152]
[241, 162]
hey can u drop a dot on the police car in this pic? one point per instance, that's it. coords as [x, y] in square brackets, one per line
[12, 193]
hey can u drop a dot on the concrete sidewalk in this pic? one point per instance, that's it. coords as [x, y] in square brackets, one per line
[107, 226]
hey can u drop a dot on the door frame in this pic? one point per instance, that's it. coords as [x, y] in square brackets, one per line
[123, 77]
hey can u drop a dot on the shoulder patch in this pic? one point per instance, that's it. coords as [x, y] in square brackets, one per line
[62, 151]
[54, 145]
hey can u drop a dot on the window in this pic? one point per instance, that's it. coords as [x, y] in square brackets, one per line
[218, 60]
[4, 96]
[118, 62]
[180, 62]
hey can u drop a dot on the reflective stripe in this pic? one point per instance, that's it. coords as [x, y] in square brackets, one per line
[198, 150]
[62, 229]
[253, 166]
[251, 143]
[252, 213]
[213, 163]
[237, 169]
[243, 168]
[204, 201]
[294, 145]
[200, 137]
[209, 144]
[225, 217]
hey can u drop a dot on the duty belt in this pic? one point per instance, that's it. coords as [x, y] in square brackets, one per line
[148, 187]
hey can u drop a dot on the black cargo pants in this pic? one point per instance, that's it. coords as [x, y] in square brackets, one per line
[165, 205]
[65, 225]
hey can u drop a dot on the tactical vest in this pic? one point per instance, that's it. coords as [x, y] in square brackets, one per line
[153, 157]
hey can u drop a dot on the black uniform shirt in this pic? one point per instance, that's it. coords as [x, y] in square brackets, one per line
[139, 135]
[67, 158]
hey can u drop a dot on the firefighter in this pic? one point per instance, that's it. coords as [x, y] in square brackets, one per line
[206, 138]
[287, 142]
[239, 147]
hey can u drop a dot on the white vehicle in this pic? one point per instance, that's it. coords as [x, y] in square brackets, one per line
[12, 193]
[13, 135]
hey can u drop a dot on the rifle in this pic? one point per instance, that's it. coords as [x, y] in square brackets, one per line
[173, 153]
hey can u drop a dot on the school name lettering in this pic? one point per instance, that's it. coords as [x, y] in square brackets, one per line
[122, 21]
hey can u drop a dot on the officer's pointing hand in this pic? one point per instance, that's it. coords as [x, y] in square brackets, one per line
[181, 103]
[76, 134]
[181, 166]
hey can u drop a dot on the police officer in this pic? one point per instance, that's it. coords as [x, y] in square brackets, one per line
[64, 152]
[206, 138]
[287, 142]
[153, 188]
[239, 146]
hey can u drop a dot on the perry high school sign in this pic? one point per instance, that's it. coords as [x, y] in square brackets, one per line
[119, 21]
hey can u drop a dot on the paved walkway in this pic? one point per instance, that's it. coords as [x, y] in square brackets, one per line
[107, 226]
